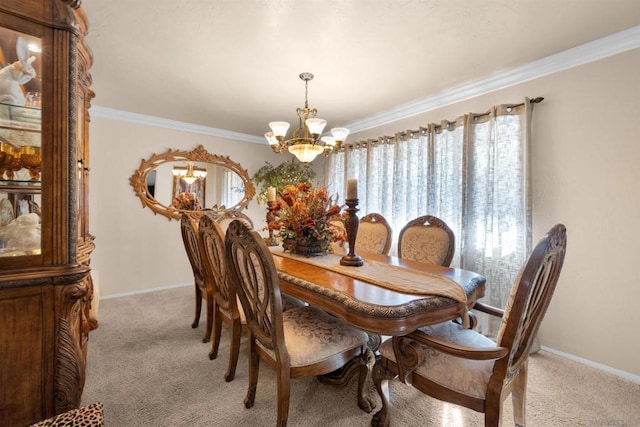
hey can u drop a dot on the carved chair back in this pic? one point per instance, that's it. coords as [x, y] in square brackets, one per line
[427, 239]
[189, 229]
[203, 288]
[529, 300]
[225, 306]
[374, 235]
[225, 219]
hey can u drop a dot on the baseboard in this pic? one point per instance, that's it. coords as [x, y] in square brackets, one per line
[622, 374]
[145, 291]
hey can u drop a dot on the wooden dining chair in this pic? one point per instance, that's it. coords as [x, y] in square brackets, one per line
[303, 341]
[427, 239]
[461, 366]
[374, 235]
[225, 219]
[226, 307]
[204, 291]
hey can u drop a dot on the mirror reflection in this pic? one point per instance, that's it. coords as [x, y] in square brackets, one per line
[213, 185]
[189, 181]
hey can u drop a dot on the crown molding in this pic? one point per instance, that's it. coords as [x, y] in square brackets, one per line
[613, 44]
[604, 47]
[143, 119]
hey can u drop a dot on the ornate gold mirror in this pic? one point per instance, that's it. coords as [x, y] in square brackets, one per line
[176, 182]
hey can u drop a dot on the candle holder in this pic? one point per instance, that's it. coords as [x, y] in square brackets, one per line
[351, 223]
[271, 216]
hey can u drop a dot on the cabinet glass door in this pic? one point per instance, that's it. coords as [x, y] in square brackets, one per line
[20, 144]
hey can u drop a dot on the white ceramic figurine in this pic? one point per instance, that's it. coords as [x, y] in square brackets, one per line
[16, 74]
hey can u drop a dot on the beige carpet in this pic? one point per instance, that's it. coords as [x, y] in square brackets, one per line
[150, 368]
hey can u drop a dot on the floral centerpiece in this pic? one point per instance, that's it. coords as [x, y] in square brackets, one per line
[303, 218]
[186, 202]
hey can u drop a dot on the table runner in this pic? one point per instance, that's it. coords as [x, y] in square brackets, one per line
[404, 280]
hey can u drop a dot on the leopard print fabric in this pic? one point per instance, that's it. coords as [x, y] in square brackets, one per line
[88, 416]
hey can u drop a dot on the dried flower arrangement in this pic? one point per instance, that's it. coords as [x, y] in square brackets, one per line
[303, 217]
[187, 202]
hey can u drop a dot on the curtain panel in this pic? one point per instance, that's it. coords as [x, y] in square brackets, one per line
[472, 172]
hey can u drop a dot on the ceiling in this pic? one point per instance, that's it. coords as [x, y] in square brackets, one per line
[234, 64]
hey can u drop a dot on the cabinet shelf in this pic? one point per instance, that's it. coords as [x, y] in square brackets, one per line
[32, 187]
[19, 127]
[20, 117]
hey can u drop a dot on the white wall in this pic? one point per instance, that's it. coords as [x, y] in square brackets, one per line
[586, 174]
[135, 249]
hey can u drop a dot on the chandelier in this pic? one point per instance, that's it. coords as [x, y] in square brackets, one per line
[189, 174]
[305, 143]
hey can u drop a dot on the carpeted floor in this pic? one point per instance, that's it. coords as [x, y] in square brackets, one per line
[150, 368]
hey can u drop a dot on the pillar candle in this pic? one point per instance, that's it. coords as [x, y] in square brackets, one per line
[352, 188]
[271, 194]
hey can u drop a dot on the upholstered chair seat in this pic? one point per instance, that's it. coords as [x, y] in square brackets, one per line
[465, 376]
[313, 336]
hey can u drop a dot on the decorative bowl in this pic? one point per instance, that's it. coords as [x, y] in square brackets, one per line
[9, 160]
[31, 159]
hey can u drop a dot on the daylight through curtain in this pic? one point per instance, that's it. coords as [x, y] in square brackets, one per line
[472, 172]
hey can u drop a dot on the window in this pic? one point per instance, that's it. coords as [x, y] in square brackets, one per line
[473, 173]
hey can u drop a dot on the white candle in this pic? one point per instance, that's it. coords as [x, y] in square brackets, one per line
[271, 194]
[352, 188]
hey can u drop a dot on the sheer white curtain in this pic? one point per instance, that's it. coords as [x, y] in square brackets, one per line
[473, 173]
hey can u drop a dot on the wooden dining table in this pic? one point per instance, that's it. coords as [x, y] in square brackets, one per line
[369, 301]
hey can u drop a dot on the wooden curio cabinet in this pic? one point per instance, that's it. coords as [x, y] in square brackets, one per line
[45, 244]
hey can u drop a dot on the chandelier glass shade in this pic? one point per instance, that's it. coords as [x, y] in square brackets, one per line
[306, 142]
[189, 174]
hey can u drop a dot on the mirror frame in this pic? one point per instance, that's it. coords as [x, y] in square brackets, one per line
[139, 180]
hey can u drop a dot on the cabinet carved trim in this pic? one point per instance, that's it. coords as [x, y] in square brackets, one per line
[72, 335]
[68, 389]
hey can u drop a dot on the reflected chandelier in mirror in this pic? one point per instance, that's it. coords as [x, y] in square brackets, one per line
[164, 184]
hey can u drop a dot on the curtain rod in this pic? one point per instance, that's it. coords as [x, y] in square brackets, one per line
[386, 139]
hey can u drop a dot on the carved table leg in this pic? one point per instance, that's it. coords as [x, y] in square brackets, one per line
[361, 365]
[342, 375]
[364, 402]
[381, 378]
